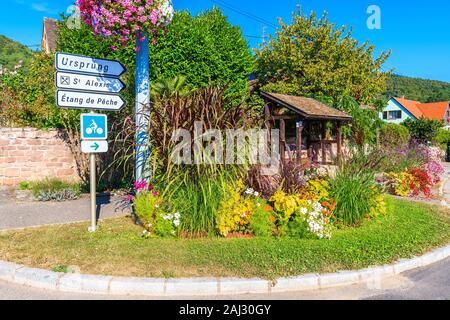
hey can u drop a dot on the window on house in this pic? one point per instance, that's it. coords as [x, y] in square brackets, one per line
[394, 115]
[385, 115]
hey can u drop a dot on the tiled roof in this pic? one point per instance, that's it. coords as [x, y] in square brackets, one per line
[307, 107]
[434, 110]
[411, 106]
[50, 26]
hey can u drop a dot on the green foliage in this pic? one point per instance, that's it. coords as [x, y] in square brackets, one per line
[424, 130]
[34, 92]
[261, 222]
[354, 188]
[167, 88]
[442, 138]
[12, 53]
[393, 135]
[205, 49]
[61, 268]
[52, 189]
[417, 89]
[312, 57]
[365, 121]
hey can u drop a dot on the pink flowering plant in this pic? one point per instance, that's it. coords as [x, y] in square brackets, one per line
[151, 210]
[121, 20]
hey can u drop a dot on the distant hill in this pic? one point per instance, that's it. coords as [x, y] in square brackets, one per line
[418, 89]
[11, 52]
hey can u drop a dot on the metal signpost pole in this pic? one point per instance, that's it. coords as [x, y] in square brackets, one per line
[93, 186]
[142, 107]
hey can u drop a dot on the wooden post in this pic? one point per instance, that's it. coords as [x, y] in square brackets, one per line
[322, 143]
[282, 140]
[339, 141]
[299, 126]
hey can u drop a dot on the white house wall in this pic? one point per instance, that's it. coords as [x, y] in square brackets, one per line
[394, 106]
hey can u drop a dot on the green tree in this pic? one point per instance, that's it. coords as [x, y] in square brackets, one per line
[205, 49]
[311, 56]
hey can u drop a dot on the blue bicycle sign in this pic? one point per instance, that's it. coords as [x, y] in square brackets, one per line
[94, 126]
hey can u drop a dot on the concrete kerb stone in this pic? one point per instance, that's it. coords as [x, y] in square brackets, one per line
[206, 286]
[8, 270]
[37, 278]
[85, 283]
[137, 286]
[198, 286]
[305, 282]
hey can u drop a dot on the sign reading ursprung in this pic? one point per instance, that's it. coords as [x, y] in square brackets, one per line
[88, 65]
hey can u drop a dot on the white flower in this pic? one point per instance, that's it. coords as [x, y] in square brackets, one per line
[156, 206]
[177, 215]
[303, 211]
[249, 191]
[176, 223]
[256, 194]
[166, 14]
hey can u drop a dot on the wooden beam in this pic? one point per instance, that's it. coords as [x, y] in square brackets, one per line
[299, 142]
[339, 141]
[282, 140]
[322, 142]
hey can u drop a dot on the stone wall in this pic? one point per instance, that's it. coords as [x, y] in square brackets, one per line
[29, 154]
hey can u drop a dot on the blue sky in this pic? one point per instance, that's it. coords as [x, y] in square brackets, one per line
[417, 32]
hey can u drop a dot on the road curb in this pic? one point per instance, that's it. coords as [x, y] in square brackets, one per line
[95, 284]
[441, 192]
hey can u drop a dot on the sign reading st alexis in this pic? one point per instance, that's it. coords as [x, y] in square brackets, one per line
[73, 81]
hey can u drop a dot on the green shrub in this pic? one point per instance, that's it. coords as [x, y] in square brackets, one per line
[392, 135]
[355, 196]
[354, 188]
[296, 228]
[424, 130]
[52, 189]
[442, 138]
[24, 185]
[261, 222]
[198, 199]
[150, 207]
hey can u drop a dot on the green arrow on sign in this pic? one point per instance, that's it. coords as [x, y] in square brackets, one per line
[95, 146]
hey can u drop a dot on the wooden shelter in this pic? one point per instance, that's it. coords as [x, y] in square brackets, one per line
[308, 128]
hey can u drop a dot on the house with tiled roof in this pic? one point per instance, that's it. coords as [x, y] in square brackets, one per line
[400, 109]
[49, 35]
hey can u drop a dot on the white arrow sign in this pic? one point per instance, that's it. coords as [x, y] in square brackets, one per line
[95, 146]
[65, 80]
[88, 65]
[86, 100]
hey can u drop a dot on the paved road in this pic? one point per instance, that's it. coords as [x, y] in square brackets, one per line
[20, 214]
[432, 282]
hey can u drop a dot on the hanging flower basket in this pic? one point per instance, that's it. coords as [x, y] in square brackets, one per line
[121, 20]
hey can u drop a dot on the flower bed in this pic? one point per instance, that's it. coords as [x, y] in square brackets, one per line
[304, 208]
[421, 177]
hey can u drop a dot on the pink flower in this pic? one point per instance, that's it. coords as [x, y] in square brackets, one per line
[116, 18]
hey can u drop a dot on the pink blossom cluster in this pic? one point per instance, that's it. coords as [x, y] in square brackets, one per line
[120, 20]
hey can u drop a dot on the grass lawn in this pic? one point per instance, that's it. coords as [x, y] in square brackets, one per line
[118, 248]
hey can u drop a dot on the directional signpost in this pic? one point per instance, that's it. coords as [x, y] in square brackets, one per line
[90, 83]
[83, 82]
